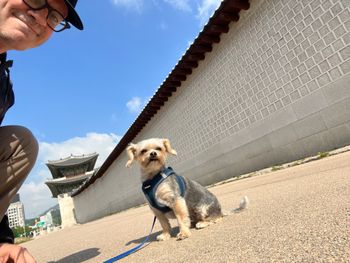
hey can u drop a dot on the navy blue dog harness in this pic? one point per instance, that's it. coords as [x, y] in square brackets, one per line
[149, 187]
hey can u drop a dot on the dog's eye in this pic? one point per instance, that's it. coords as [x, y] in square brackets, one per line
[143, 151]
[159, 149]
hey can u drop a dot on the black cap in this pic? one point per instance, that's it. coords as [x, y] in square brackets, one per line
[73, 17]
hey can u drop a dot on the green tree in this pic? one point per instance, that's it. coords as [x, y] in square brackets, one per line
[56, 217]
[18, 231]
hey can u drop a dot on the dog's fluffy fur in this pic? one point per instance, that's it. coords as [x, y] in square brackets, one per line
[198, 208]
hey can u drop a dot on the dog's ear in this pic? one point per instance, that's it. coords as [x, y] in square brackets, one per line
[168, 148]
[131, 151]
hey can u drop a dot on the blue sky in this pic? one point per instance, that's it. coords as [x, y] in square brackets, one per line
[80, 92]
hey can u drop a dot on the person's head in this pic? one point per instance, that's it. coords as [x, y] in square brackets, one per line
[29, 23]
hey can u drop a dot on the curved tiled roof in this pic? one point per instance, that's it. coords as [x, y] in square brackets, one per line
[227, 12]
[68, 180]
[72, 160]
[56, 167]
[63, 185]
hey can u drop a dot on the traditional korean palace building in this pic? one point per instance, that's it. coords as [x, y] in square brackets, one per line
[70, 173]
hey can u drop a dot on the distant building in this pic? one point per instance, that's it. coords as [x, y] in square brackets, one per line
[68, 175]
[16, 199]
[53, 217]
[48, 219]
[15, 212]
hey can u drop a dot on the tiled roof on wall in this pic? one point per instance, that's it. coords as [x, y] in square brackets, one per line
[227, 12]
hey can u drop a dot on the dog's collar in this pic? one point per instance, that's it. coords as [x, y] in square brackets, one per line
[149, 187]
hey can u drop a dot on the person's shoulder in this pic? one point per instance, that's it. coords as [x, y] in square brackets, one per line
[3, 57]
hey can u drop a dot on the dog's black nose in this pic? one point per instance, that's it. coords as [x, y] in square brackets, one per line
[153, 154]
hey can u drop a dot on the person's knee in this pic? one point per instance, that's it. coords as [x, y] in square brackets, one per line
[28, 142]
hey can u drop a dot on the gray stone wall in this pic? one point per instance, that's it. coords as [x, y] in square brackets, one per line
[275, 89]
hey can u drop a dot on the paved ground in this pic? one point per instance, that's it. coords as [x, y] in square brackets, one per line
[299, 214]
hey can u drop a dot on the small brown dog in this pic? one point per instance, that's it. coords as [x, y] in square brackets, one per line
[170, 195]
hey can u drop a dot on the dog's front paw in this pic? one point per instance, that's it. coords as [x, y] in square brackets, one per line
[201, 225]
[183, 234]
[163, 237]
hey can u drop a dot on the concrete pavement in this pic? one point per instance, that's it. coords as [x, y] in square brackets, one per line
[299, 214]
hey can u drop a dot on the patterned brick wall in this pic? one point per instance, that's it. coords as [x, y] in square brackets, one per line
[278, 53]
[275, 88]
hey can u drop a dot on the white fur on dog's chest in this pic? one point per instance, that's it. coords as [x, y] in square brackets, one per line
[165, 195]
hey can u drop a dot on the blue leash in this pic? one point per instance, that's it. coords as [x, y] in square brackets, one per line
[138, 247]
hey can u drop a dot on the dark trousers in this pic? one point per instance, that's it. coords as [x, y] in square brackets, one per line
[18, 152]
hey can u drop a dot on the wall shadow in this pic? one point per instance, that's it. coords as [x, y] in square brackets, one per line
[80, 256]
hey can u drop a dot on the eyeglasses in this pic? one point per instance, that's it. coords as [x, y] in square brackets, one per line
[54, 19]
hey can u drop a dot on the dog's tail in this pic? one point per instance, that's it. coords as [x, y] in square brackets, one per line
[243, 204]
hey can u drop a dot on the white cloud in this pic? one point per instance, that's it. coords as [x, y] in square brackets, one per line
[206, 9]
[136, 104]
[36, 198]
[182, 5]
[34, 193]
[139, 5]
[103, 144]
[134, 5]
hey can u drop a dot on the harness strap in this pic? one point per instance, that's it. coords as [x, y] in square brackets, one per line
[149, 188]
[182, 185]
